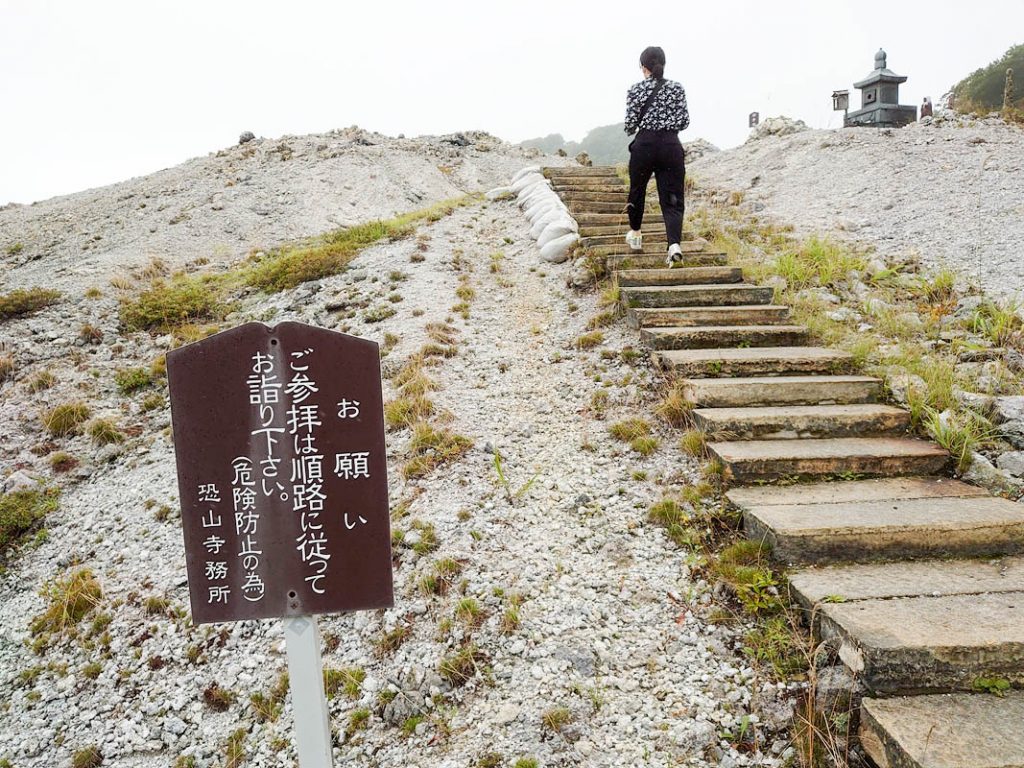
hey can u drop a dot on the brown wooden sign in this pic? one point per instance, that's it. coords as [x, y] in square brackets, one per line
[279, 441]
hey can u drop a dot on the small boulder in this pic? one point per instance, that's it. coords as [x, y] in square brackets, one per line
[584, 159]
[246, 137]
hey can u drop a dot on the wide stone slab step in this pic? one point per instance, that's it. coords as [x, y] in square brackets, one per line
[837, 492]
[944, 731]
[693, 255]
[570, 187]
[660, 250]
[781, 390]
[585, 198]
[653, 230]
[617, 218]
[728, 291]
[684, 317]
[707, 337]
[582, 208]
[594, 171]
[657, 239]
[806, 534]
[631, 278]
[755, 460]
[913, 578]
[909, 645]
[801, 421]
[752, 361]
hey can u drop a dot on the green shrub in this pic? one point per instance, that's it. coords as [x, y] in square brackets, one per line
[22, 302]
[131, 380]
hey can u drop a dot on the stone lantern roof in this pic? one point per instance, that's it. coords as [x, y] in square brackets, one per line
[882, 73]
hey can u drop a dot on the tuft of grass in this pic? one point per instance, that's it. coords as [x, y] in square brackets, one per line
[997, 686]
[379, 314]
[645, 446]
[104, 432]
[630, 429]
[407, 410]
[432, 447]
[41, 381]
[526, 762]
[389, 642]
[69, 599]
[460, 667]
[167, 304]
[154, 605]
[234, 749]
[744, 566]
[468, 611]
[556, 718]
[776, 643]
[218, 699]
[92, 670]
[331, 253]
[131, 380]
[21, 302]
[62, 461]
[589, 340]
[348, 681]
[674, 409]
[817, 262]
[998, 322]
[65, 419]
[21, 512]
[87, 757]
[359, 720]
[961, 433]
[693, 442]
[7, 368]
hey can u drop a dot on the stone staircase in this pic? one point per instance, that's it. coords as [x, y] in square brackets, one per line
[917, 579]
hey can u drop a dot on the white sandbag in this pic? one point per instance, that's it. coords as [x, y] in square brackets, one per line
[554, 230]
[558, 249]
[494, 194]
[522, 172]
[534, 193]
[527, 181]
[539, 224]
[538, 209]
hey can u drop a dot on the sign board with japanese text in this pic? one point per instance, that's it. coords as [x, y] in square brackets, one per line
[279, 442]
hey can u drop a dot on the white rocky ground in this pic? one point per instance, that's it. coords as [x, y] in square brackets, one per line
[614, 623]
[247, 196]
[949, 189]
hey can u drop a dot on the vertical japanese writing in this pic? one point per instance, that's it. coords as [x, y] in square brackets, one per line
[216, 568]
[307, 478]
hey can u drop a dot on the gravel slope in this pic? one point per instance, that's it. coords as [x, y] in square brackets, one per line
[613, 623]
[951, 190]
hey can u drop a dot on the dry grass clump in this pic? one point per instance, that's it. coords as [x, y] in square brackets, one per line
[628, 430]
[65, 419]
[68, 600]
[41, 381]
[21, 301]
[432, 447]
[168, 304]
[674, 409]
[7, 368]
[330, 254]
[131, 380]
[348, 681]
[407, 410]
[21, 512]
[589, 340]
[458, 668]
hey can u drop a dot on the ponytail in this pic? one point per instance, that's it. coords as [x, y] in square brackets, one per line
[653, 59]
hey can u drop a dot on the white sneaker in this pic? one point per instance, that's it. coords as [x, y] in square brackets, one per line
[635, 240]
[675, 255]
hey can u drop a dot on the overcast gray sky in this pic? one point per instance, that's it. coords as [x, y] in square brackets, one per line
[95, 92]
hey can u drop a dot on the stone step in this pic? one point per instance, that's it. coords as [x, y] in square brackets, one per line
[944, 731]
[591, 207]
[907, 645]
[683, 317]
[711, 337]
[647, 278]
[781, 390]
[623, 258]
[705, 295]
[616, 218]
[569, 171]
[656, 239]
[914, 578]
[806, 534]
[752, 361]
[657, 250]
[877, 489]
[756, 460]
[589, 186]
[653, 230]
[792, 422]
[584, 198]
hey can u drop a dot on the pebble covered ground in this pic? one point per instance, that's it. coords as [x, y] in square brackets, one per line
[947, 189]
[592, 638]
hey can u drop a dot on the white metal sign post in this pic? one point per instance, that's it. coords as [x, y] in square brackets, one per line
[309, 704]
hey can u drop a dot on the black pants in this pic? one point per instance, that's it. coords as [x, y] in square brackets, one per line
[660, 153]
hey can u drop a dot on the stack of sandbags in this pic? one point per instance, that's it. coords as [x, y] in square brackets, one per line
[553, 227]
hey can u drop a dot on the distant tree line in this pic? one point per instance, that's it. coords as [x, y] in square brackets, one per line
[606, 145]
[991, 88]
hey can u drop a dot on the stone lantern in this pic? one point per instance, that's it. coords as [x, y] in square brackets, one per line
[880, 98]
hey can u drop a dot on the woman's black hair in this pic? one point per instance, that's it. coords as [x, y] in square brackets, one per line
[653, 58]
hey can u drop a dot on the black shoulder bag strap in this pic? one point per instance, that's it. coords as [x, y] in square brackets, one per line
[645, 107]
